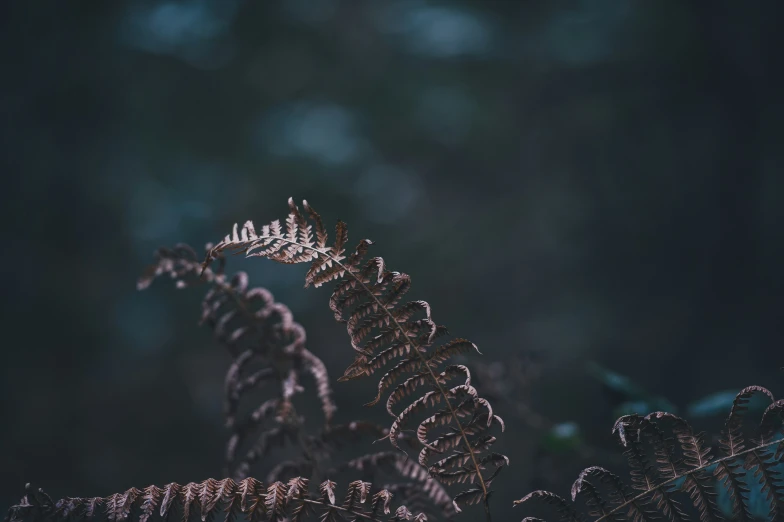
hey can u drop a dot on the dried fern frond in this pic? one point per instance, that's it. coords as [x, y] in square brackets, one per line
[255, 328]
[266, 345]
[666, 458]
[227, 499]
[390, 336]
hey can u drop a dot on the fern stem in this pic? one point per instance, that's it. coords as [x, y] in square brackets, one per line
[360, 516]
[688, 473]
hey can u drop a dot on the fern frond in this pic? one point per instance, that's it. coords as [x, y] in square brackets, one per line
[266, 344]
[383, 331]
[688, 465]
[211, 498]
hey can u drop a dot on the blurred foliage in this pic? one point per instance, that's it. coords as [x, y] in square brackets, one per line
[719, 403]
[603, 176]
[561, 438]
[627, 396]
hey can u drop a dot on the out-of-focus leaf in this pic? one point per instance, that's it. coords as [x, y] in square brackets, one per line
[719, 403]
[562, 438]
[616, 382]
[631, 407]
[714, 404]
[633, 398]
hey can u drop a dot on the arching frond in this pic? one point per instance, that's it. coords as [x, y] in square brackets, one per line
[390, 337]
[267, 346]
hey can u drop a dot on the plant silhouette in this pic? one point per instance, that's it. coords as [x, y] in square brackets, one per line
[411, 357]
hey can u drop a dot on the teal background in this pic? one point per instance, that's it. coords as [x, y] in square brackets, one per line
[565, 181]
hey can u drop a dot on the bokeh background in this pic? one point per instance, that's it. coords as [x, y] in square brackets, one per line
[566, 182]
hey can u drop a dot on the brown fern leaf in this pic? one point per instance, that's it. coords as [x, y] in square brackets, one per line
[151, 497]
[381, 501]
[358, 492]
[383, 330]
[211, 498]
[682, 462]
[266, 344]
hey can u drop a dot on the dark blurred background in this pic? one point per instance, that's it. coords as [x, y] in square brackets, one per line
[566, 182]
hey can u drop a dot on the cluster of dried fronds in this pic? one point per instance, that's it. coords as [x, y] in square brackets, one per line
[267, 345]
[384, 333]
[670, 463]
[249, 498]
